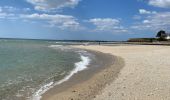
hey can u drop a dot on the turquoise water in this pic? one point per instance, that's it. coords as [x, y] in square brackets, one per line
[27, 65]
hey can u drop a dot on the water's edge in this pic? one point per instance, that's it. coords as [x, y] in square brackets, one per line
[79, 66]
[101, 62]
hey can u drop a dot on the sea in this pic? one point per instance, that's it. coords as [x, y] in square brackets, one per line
[29, 68]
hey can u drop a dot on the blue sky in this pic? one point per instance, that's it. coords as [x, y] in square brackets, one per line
[83, 19]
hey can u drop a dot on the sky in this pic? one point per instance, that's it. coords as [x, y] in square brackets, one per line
[83, 19]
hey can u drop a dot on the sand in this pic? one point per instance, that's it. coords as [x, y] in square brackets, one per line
[86, 84]
[145, 75]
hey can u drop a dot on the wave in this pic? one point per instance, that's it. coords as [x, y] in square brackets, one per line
[79, 66]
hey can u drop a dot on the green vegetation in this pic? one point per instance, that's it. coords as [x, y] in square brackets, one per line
[160, 36]
[142, 40]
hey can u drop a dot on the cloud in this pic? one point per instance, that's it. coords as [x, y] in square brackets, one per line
[107, 24]
[0, 9]
[26, 9]
[47, 5]
[8, 16]
[143, 11]
[137, 17]
[57, 20]
[11, 13]
[155, 22]
[160, 3]
[11, 9]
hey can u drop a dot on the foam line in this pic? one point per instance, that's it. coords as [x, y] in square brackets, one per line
[79, 66]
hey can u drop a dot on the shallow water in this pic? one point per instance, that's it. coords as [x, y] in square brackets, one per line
[28, 65]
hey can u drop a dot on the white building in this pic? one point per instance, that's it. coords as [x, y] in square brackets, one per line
[167, 37]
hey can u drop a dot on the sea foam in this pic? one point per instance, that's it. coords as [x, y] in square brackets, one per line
[79, 66]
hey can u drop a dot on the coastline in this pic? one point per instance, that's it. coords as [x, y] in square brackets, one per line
[88, 83]
[145, 75]
[79, 66]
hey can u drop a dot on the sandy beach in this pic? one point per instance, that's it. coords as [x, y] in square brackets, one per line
[86, 84]
[144, 75]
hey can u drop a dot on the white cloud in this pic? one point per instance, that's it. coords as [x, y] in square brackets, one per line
[146, 21]
[160, 3]
[155, 22]
[137, 17]
[47, 5]
[11, 9]
[57, 20]
[3, 15]
[8, 16]
[143, 11]
[11, 13]
[26, 9]
[0, 9]
[107, 24]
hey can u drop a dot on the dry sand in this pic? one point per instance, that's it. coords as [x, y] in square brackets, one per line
[145, 76]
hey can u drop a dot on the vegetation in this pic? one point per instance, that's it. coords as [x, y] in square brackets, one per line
[142, 40]
[161, 35]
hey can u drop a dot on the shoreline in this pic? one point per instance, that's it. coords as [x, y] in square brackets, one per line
[79, 66]
[88, 83]
[145, 75]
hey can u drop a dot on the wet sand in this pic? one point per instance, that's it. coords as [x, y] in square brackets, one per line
[139, 72]
[87, 84]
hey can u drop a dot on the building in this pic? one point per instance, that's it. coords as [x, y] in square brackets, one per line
[163, 35]
[167, 36]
